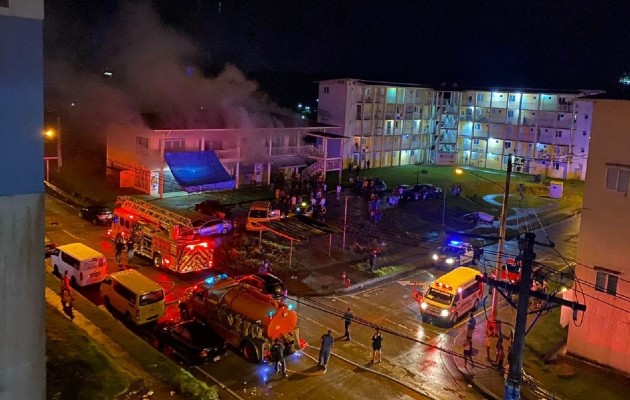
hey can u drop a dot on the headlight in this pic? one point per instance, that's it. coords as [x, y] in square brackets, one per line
[450, 261]
[424, 305]
[444, 313]
[435, 257]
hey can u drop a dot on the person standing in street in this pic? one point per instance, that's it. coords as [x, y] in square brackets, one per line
[377, 343]
[277, 350]
[468, 354]
[500, 353]
[130, 249]
[338, 191]
[65, 283]
[470, 326]
[325, 348]
[347, 320]
[118, 250]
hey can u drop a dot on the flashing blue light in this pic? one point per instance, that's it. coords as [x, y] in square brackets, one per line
[210, 281]
[299, 105]
[455, 242]
[291, 307]
[271, 314]
[223, 276]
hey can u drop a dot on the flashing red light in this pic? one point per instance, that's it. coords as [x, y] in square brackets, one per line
[131, 216]
[167, 261]
[192, 246]
[109, 232]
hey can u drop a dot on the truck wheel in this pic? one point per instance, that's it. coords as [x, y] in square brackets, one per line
[157, 261]
[455, 318]
[249, 352]
[73, 282]
[184, 313]
[56, 270]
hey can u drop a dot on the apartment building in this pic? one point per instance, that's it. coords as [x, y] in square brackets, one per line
[602, 333]
[393, 124]
[148, 156]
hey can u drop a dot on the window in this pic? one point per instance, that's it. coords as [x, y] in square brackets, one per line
[479, 96]
[326, 89]
[617, 178]
[71, 261]
[585, 116]
[210, 144]
[142, 142]
[556, 166]
[477, 126]
[511, 114]
[560, 117]
[475, 141]
[173, 144]
[583, 133]
[582, 150]
[508, 145]
[512, 97]
[558, 133]
[606, 281]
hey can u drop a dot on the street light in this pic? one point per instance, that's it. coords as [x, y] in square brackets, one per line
[51, 134]
[502, 231]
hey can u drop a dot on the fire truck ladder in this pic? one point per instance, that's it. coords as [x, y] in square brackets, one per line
[145, 209]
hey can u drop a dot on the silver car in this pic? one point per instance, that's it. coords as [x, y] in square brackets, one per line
[213, 226]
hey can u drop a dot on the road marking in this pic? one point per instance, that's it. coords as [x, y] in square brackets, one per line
[400, 325]
[318, 324]
[70, 234]
[405, 283]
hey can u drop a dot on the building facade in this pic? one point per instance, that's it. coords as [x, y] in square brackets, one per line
[602, 333]
[135, 156]
[393, 124]
[22, 303]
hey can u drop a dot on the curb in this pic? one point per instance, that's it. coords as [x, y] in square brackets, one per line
[380, 279]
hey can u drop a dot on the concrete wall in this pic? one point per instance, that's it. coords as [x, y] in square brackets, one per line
[22, 323]
[604, 334]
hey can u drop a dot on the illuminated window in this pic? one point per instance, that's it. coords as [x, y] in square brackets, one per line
[512, 97]
[606, 281]
[479, 96]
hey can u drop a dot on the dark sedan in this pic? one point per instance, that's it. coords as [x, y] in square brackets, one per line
[426, 191]
[193, 341]
[267, 283]
[98, 215]
[214, 208]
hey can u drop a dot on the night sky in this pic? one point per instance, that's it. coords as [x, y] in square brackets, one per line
[286, 45]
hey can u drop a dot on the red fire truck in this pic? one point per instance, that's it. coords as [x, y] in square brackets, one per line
[164, 237]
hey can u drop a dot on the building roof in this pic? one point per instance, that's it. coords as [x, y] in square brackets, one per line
[300, 228]
[611, 95]
[327, 135]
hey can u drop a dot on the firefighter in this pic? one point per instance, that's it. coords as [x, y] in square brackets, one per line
[277, 350]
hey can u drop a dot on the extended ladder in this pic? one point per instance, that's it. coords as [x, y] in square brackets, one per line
[165, 218]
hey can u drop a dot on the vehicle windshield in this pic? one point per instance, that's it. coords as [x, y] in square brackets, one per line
[450, 251]
[513, 269]
[152, 297]
[258, 213]
[439, 297]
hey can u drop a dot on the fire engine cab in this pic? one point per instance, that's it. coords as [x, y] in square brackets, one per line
[164, 237]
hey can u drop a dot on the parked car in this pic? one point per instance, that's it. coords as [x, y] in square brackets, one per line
[427, 191]
[49, 246]
[267, 283]
[98, 215]
[211, 227]
[379, 185]
[214, 208]
[193, 341]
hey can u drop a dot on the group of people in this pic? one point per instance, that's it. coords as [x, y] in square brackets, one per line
[456, 190]
[499, 352]
[122, 245]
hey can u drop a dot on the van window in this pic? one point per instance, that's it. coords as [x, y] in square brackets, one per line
[68, 259]
[439, 297]
[152, 297]
[470, 290]
[124, 292]
[258, 214]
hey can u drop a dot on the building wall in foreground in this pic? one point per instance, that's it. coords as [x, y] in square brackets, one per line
[22, 310]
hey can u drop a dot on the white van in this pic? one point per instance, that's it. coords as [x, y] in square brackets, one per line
[260, 211]
[451, 296]
[85, 265]
[139, 299]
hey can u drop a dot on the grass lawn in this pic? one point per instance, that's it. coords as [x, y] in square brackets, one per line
[546, 334]
[77, 367]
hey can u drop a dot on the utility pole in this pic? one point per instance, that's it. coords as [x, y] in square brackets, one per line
[501, 249]
[59, 163]
[513, 383]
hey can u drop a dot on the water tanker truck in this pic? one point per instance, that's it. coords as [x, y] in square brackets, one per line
[246, 318]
